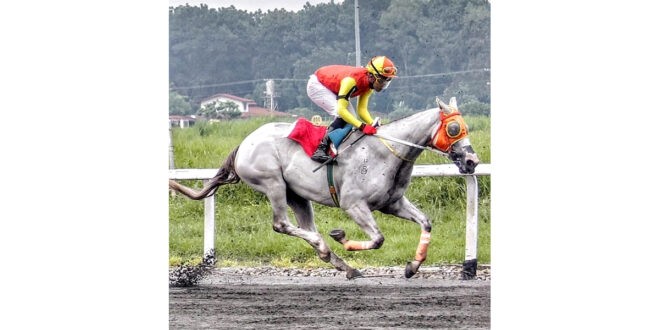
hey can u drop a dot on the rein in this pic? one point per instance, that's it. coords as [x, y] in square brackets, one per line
[410, 144]
[389, 147]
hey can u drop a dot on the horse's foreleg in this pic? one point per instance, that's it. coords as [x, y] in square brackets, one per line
[363, 217]
[406, 210]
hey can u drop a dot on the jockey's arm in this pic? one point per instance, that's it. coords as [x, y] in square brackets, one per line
[347, 88]
[362, 109]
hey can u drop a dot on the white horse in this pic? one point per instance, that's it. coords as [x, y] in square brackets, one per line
[373, 175]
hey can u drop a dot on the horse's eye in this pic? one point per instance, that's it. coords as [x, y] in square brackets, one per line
[453, 129]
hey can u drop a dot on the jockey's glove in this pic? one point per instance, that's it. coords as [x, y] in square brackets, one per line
[367, 129]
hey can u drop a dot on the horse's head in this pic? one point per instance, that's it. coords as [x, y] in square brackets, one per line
[452, 137]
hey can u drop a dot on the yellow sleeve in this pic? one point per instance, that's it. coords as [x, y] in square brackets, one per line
[362, 110]
[347, 85]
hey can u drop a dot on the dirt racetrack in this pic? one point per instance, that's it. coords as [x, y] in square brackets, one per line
[303, 299]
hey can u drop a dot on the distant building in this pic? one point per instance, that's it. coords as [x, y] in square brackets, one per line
[182, 121]
[248, 108]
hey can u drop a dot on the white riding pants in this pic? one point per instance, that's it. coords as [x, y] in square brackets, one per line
[323, 97]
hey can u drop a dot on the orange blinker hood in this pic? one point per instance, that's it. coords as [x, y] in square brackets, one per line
[452, 129]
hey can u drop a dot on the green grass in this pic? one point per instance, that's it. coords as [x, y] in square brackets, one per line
[244, 234]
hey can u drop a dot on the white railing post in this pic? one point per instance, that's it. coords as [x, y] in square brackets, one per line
[209, 229]
[471, 227]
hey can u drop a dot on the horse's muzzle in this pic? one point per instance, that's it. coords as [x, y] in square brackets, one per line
[466, 162]
[471, 162]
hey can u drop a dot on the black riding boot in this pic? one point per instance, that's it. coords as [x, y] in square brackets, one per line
[321, 153]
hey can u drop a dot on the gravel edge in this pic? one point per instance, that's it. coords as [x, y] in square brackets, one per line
[184, 276]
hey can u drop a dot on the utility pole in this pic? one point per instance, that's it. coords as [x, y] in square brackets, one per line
[357, 33]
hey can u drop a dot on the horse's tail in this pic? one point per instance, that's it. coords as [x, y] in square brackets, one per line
[226, 175]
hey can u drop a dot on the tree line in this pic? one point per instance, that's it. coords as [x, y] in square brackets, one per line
[441, 47]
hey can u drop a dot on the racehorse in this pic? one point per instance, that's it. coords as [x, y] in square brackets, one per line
[373, 175]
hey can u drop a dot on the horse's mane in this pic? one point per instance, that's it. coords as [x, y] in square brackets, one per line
[418, 113]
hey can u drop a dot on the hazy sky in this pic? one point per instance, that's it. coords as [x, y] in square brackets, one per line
[252, 5]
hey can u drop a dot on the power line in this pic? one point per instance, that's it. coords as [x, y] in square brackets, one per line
[445, 73]
[216, 85]
[297, 79]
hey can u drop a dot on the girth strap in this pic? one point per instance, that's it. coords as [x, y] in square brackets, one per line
[331, 185]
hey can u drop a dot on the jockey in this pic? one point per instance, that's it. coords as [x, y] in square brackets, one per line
[331, 86]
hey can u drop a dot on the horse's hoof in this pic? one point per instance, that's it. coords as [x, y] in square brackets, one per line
[353, 274]
[409, 270]
[338, 235]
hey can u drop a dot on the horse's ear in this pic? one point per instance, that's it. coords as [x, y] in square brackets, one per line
[442, 105]
[452, 102]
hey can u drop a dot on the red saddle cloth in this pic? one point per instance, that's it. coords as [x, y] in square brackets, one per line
[307, 134]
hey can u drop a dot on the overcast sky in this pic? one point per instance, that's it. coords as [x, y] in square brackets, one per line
[252, 5]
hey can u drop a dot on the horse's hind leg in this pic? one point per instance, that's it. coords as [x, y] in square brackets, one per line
[304, 213]
[406, 210]
[275, 190]
[259, 168]
[281, 223]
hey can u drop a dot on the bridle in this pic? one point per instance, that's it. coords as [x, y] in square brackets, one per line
[451, 124]
[454, 127]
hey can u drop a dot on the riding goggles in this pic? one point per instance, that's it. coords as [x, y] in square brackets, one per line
[379, 77]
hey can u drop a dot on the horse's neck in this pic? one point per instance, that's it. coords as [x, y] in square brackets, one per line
[417, 128]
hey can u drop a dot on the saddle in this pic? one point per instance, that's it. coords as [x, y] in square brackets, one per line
[309, 136]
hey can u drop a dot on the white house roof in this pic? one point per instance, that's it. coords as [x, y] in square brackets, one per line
[228, 96]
